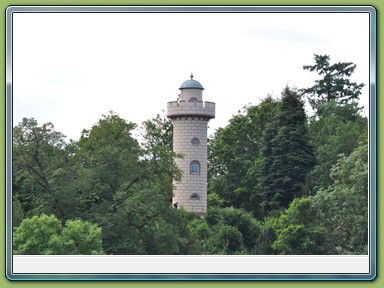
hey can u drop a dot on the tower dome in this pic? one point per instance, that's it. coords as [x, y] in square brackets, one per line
[191, 84]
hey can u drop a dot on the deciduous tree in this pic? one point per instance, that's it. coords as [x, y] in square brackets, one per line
[43, 171]
[45, 235]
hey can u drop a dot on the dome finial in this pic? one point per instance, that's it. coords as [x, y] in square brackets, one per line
[191, 84]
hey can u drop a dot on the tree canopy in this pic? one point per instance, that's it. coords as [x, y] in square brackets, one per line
[46, 235]
[280, 181]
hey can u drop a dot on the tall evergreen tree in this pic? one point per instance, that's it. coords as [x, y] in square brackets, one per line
[287, 154]
[335, 84]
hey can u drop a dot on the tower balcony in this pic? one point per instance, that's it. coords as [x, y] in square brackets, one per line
[198, 108]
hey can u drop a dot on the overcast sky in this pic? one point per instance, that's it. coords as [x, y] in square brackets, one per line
[69, 69]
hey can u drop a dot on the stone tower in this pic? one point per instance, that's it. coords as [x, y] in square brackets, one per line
[190, 116]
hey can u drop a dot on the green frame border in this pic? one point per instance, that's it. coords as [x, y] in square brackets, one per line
[378, 282]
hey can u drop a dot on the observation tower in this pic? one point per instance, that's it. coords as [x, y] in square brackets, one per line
[190, 116]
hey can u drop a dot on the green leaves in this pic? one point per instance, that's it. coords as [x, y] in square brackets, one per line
[82, 237]
[106, 178]
[345, 203]
[232, 231]
[45, 235]
[299, 232]
[335, 221]
[41, 165]
[157, 135]
[337, 131]
[35, 235]
[234, 157]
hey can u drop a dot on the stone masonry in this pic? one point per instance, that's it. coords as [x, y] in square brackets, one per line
[190, 117]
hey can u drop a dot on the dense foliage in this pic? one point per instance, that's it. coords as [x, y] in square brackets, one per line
[235, 157]
[279, 181]
[287, 155]
[46, 235]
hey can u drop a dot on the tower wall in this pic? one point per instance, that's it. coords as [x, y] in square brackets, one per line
[185, 128]
[187, 94]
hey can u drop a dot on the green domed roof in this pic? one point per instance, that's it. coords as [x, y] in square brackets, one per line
[191, 84]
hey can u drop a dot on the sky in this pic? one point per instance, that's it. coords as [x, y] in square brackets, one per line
[71, 68]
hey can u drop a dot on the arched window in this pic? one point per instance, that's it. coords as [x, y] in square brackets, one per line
[194, 100]
[195, 196]
[195, 141]
[195, 167]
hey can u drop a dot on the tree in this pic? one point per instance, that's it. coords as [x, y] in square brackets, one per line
[335, 220]
[234, 231]
[266, 237]
[287, 155]
[81, 238]
[344, 204]
[157, 134]
[35, 235]
[43, 171]
[298, 231]
[131, 188]
[334, 84]
[200, 236]
[17, 212]
[111, 171]
[228, 240]
[234, 156]
[45, 235]
[338, 131]
[110, 156]
[157, 131]
[227, 160]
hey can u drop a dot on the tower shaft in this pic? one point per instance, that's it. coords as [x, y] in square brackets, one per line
[191, 191]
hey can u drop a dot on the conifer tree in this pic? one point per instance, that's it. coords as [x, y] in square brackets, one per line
[287, 154]
[334, 84]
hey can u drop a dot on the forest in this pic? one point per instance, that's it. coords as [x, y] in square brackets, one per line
[279, 181]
